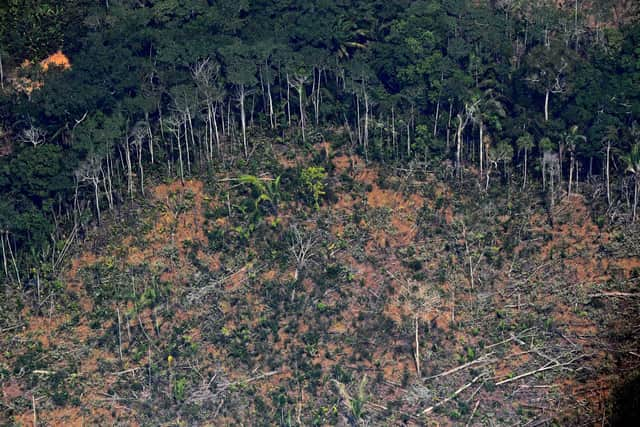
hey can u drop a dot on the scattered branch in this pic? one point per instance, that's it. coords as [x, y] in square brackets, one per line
[481, 360]
[452, 396]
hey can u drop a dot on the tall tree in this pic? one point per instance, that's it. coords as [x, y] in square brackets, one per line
[632, 160]
[550, 70]
[525, 143]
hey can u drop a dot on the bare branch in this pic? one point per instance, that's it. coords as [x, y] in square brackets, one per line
[33, 135]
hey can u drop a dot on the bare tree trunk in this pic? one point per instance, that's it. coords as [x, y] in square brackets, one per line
[408, 140]
[150, 135]
[271, 120]
[263, 92]
[106, 182]
[224, 132]
[127, 156]
[546, 105]
[186, 143]
[635, 196]
[366, 125]
[544, 173]
[435, 122]
[13, 259]
[571, 165]
[110, 179]
[97, 195]
[393, 128]
[481, 145]
[140, 168]
[607, 173]
[215, 129]
[449, 126]
[161, 121]
[314, 94]
[318, 93]
[417, 355]
[180, 153]
[209, 132]
[1, 73]
[359, 127]
[459, 145]
[302, 122]
[551, 175]
[193, 141]
[288, 100]
[119, 334]
[524, 181]
[488, 176]
[4, 255]
[252, 109]
[33, 407]
[243, 121]
[229, 119]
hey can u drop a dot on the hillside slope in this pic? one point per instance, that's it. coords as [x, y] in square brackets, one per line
[194, 307]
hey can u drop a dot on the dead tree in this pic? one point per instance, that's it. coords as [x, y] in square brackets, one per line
[205, 74]
[173, 124]
[302, 245]
[298, 82]
[33, 135]
[90, 171]
[138, 134]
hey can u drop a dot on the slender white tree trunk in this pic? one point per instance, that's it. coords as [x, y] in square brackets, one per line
[302, 121]
[571, 165]
[150, 135]
[393, 128]
[215, 128]
[524, 181]
[435, 122]
[140, 168]
[288, 100]
[635, 196]
[359, 127]
[271, 120]
[418, 370]
[546, 105]
[459, 145]
[607, 173]
[1, 73]
[96, 191]
[127, 156]
[180, 154]
[187, 150]
[481, 146]
[366, 125]
[243, 121]
[4, 255]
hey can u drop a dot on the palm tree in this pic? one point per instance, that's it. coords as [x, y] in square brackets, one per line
[348, 37]
[632, 159]
[571, 139]
[525, 143]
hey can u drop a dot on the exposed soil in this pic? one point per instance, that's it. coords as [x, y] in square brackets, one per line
[235, 317]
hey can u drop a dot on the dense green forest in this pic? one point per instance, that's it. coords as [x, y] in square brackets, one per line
[178, 88]
[323, 212]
